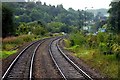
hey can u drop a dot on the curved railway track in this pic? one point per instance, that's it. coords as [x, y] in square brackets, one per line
[67, 68]
[22, 65]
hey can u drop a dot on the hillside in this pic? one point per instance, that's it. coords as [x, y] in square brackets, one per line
[95, 11]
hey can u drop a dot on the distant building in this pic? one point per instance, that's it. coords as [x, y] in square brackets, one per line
[103, 18]
[102, 30]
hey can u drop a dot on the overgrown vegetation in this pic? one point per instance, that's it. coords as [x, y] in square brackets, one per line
[101, 51]
[7, 19]
[51, 18]
[31, 28]
[114, 19]
[95, 39]
[12, 42]
[4, 54]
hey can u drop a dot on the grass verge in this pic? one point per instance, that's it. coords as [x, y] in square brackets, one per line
[4, 54]
[107, 65]
[10, 44]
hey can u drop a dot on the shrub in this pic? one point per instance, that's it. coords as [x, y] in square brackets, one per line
[8, 46]
[75, 48]
[105, 42]
[39, 30]
[91, 41]
[72, 42]
[26, 38]
[116, 50]
[100, 37]
[77, 39]
[67, 43]
[18, 41]
[103, 47]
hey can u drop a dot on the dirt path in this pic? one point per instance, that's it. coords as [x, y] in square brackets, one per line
[43, 65]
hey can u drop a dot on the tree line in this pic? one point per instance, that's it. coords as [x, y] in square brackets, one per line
[47, 14]
[114, 19]
[54, 18]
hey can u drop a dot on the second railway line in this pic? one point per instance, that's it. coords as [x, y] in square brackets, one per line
[67, 68]
[21, 66]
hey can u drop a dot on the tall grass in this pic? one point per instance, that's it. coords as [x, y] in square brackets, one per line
[12, 42]
[101, 51]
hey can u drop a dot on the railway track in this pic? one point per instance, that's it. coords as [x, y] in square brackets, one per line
[67, 68]
[22, 65]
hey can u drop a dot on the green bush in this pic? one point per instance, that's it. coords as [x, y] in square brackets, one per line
[103, 47]
[77, 39]
[116, 50]
[104, 37]
[103, 41]
[39, 31]
[26, 38]
[18, 41]
[97, 47]
[75, 48]
[67, 42]
[8, 46]
[91, 41]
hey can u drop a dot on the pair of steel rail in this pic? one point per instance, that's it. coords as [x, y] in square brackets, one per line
[19, 55]
[53, 59]
[87, 77]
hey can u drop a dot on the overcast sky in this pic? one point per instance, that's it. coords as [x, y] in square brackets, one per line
[80, 4]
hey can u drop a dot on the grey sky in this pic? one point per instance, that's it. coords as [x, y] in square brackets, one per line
[80, 4]
[75, 4]
[115, 0]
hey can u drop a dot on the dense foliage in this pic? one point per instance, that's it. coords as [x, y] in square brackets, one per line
[100, 50]
[55, 18]
[106, 43]
[7, 19]
[28, 12]
[31, 28]
[114, 19]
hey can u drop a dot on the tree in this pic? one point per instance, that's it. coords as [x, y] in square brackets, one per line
[65, 29]
[114, 19]
[35, 15]
[22, 29]
[38, 30]
[33, 12]
[30, 5]
[39, 3]
[55, 26]
[81, 19]
[7, 21]
[24, 18]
